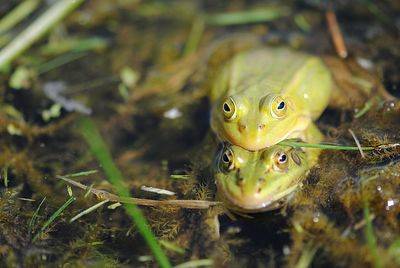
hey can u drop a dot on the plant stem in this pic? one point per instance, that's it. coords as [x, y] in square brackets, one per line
[36, 30]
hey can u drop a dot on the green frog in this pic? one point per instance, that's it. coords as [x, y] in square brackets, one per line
[261, 96]
[255, 181]
[265, 95]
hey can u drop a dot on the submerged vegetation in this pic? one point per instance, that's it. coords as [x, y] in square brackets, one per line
[137, 69]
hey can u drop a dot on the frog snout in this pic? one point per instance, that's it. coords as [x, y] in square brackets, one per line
[244, 128]
[250, 135]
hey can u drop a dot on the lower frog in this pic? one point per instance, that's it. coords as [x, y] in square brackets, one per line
[262, 180]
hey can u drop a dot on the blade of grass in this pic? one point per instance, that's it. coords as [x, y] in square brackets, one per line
[87, 211]
[17, 14]
[59, 61]
[4, 174]
[172, 247]
[196, 263]
[195, 35]
[367, 106]
[37, 29]
[35, 215]
[53, 217]
[369, 234]
[248, 16]
[99, 149]
[326, 146]
[307, 256]
[79, 174]
[179, 176]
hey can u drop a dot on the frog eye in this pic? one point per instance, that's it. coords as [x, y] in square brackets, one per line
[227, 160]
[281, 161]
[229, 109]
[278, 107]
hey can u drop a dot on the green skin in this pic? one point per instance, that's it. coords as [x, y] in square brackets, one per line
[252, 79]
[256, 181]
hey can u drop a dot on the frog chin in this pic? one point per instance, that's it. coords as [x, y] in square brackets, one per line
[245, 203]
[251, 204]
[252, 142]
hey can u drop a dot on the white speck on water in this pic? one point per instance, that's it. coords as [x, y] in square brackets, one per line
[365, 63]
[286, 250]
[389, 204]
[316, 217]
[379, 188]
[173, 113]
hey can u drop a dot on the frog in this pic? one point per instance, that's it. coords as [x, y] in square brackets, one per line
[264, 95]
[257, 181]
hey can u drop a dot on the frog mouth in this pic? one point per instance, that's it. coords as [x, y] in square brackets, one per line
[247, 203]
[237, 205]
[252, 203]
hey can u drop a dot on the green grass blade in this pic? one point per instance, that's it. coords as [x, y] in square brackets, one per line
[4, 175]
[325, 146]
[59, 61]
[100, 151]
[54, 216]
[81, 173]
[194, 36]
[248, 16]
[37, 29]
[35, 215]
[371, 240]
[88, 210]
[16, 15]
[172, 247]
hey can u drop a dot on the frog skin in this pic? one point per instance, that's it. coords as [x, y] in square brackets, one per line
[263, 96]
[255, 181]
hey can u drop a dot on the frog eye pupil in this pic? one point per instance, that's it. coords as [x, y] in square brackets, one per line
[225, 158]
[281, 105]
[282, 159]
[226, 108]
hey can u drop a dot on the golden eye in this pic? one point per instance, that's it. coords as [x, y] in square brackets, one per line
[229, 109]
[281, 161]
[278, 107]
[227, 160]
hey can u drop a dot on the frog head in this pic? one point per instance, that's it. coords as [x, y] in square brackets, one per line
[255, 123]
[255, 181]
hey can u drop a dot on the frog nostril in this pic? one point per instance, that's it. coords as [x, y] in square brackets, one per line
[261, 180]
[240, 181]
[261, 126]
[242, 128]
[259, 190]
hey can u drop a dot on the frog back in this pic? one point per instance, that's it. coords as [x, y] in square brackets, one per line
[258, 72]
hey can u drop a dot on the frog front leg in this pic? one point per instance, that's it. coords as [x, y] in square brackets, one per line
[311, 134]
